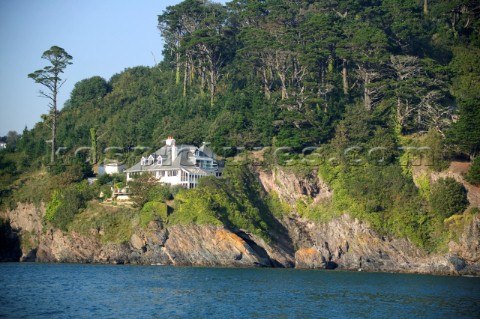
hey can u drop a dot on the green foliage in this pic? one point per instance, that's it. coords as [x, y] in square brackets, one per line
[110, 179]
[53, 206]
[473, 175]
[159, 193]
[114, 224]
[37, 188]
[380, 194]
[423, 184]
[448, 197]
[145, 188]
[235, 201]
[191, 206]
[66, 203]
[341, 74]
[8, 175]
[455, 224]
[436, 151]
[88, 91]
[465, 133]
[153, 211]
[141, 188]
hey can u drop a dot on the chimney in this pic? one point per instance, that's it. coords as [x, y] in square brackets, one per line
[171, 142]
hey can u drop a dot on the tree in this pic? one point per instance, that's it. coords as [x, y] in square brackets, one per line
[88, 90]
[465, 132]
[141, 187]
[473, 175]
[448, 197]
[49, 77]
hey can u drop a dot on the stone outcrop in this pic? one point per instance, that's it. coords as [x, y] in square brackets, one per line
[25, 222]
[291, 187]
[347, 243]
[341, 243]
[180, 245]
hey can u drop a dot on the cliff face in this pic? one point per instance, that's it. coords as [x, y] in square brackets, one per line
[343, 242]
[25, 223]
[190, 245]
[348, 243]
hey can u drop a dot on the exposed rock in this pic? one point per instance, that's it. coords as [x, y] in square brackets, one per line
[29, 255]
[309, 258]
[26, 217]
[290, 187]
[25, 221]
[343, 242]
[210, 246]
[279, 253]
[57, 246]
[468, 244]
[137, 242]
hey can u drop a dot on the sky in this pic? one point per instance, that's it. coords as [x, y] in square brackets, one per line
[104, 37]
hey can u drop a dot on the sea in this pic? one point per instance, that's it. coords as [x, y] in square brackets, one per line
[32, 290]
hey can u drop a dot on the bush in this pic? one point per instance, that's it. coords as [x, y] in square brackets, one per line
[448, 197]
[473, 175]
[153, 211]
[140, 188]
[66, 203]
[159, 193]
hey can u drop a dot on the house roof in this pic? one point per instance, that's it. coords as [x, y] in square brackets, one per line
[184, 158]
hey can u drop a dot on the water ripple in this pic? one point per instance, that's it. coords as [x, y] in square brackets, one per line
[107, 291]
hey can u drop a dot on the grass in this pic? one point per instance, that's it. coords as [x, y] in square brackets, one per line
[152, 211]
[111, 224]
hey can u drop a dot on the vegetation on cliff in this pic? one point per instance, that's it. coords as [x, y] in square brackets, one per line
[354, 89]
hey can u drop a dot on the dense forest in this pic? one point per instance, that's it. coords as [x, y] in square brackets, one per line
[338, 77]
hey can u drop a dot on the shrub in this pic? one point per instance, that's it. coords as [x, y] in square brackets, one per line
[448, 197]
[140, 188]
[159, 193]
[153, 211]
[66, 203]
[473, 175]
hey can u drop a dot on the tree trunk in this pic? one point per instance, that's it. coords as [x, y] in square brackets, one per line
[202, 82]
[93, 138]
[54, 127]
[213, 86]
[284, 85]
[185, 79]
[399, 114]
[366, 93]
[425, 7]
[266, 88]
[177, 72]
[345, 77]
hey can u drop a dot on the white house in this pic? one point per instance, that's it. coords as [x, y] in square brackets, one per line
[3, 145]
[112, 167]
[178, 165]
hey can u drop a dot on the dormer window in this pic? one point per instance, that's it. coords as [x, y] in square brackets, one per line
[159, 160]
[143, 161]
[150, 160]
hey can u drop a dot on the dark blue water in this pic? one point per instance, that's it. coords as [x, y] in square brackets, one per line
[103, 291]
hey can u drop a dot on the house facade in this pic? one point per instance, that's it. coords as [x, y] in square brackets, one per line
[178, 165]
[110, 168]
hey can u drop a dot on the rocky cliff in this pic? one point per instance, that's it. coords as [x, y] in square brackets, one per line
[348, 243]
[342, 242]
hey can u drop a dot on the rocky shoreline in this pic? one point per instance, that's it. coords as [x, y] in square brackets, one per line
[342, 243]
